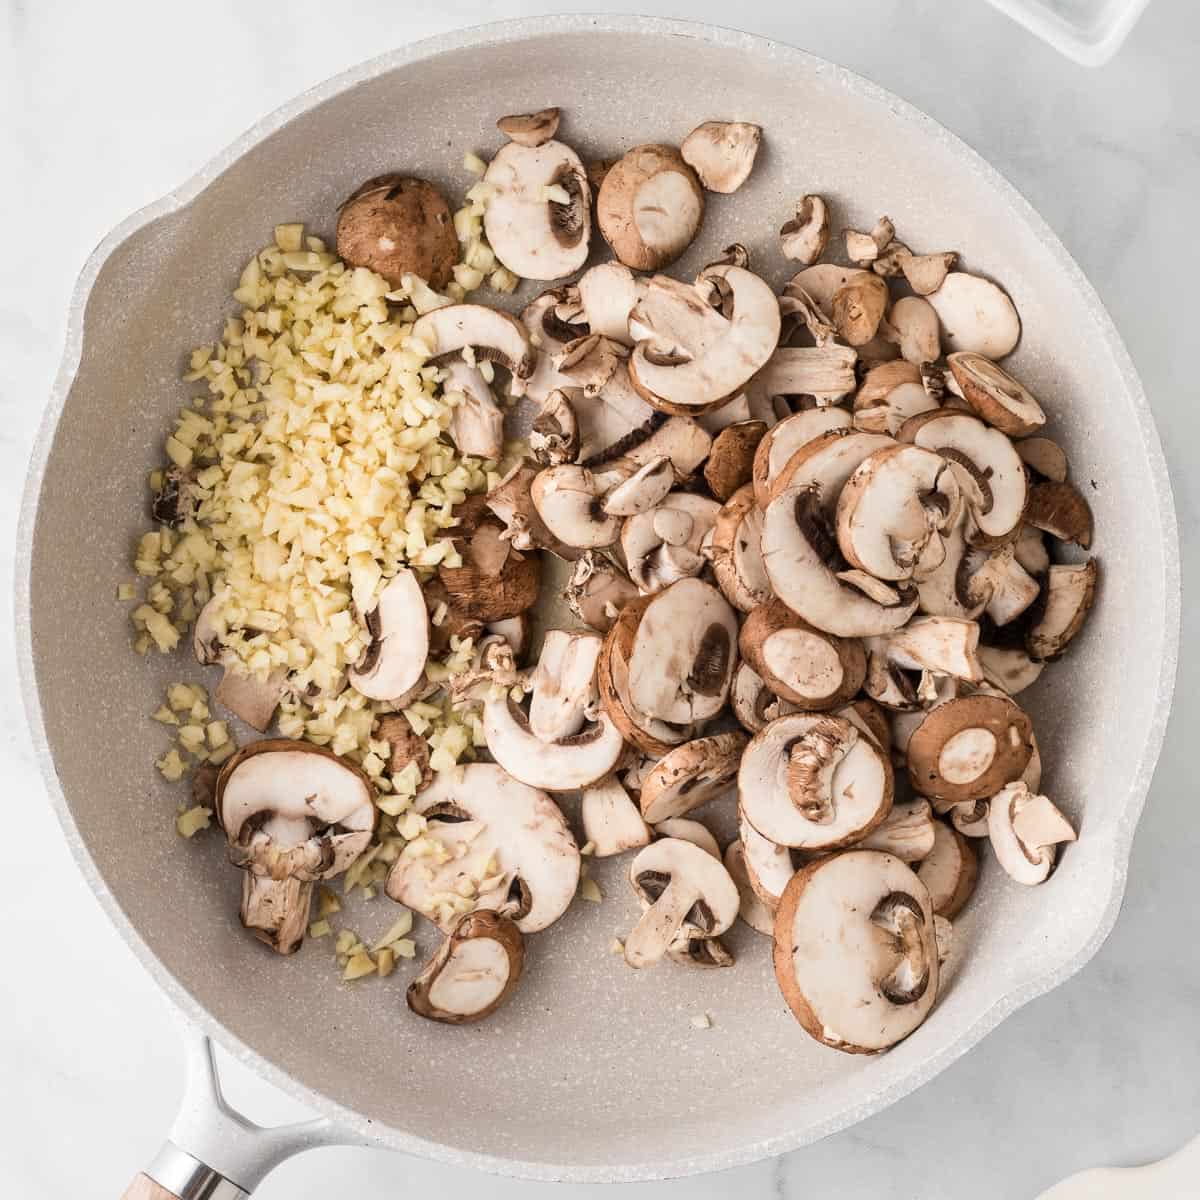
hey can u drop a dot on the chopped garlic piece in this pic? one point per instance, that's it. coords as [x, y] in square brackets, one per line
[319, 929]
[358, 966]
[386, 962]
[400, 928]
[405, 948]
[172, 767]
[125, 591]
[702, 1021]
[589, 890]
[191, 821]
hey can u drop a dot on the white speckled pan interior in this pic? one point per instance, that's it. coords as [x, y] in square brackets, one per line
[593, 1071]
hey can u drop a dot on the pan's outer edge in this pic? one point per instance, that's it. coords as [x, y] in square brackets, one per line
[360, 1129]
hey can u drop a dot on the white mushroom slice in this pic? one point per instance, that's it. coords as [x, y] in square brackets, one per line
[969, 748]
[996, 396]
[476, 424]
[563, 765]
[691, 775]
[976, 315]
[589, 362]
[1061, 511]
[990, 473]
[823, 281]
[769, 867]
[685, 376]
[826, 464]
[1031, 777]
[812, 669]
[754, 704]
[567, 499]
[683, 654]
[472, 973]
[276, 911]
[855, 951]
[538, 219]
[249, 698]
[492, 335]
[511, 500]
[549, 332]
[775, 451]
[597, 591]
[554, 434]
[880, 381]
[867, 717]
[941, 645]
[814, 783]
[1030, 551]
[750, 908]
[1025, 830]
[564, 684]
[893, 511]
[610, 818]
[608, 293]
[619, 423]
[687, 830]
[1009, 668]
[926, 273]
[689, 891]
[804, 237]
[1070, 591]
[643, 490]
[663, 546]
[504, 844]
[736, 551]
[1043, 455]
[399, 648]
[649, 207]
[824, 372]
[912, 325]
[891, 260]
[1000, 584]
[908, 832]
[949, 870]
[888, 416]
[722, 153]
[679, 438]
[798, 549]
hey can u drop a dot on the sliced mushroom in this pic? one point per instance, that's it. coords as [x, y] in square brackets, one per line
[611, 821]
[722, 153]
[538, 219]
[1025, 830]
[769, 867]
[992, 477]
[645, 489]
[396, 225]
[699, 952]
[688, 890]
[969, 748]
[511, 502]
[649, 207]
[801, 559]
[293, 813]
[567, 499]
[491, 334]
[857, 307]
[688, 830]
[608, 293]
[926, 273]
[970, 818]
[995, 395]
[490, 842]
[564, 684]
[552, 320]
[689, 356]
[248, 697]
[1044, 457]
[399, 629]
[826, 463]
[908, 832]
[751, 909]
[597, 591]
[998, 583]
[731, 459]
[1069, 593]
[940, 645]
[680, 438]
[405, 746]
[472, 973]
[1009, 668]
[530, 129]
[977, 315]
[888, 416]
[950, 870]
[782, 441]
[865, 248]
[824, 372]
[663, 545]
[868, 717]
[814, 783]
[1061, 511]
[803, 239]
[912, 326]
[754, 704]
[855, 951]
[1029, 549]
[495, 580]
[554, 434]
[891, 260]
[812, 669]
[736, 551]
[690, 775]
[683, 653]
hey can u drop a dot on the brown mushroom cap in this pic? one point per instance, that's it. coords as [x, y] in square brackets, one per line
[969, 748]
[855, 952]
[530, 129]
[1061, 511]
[949, 870]
[690, 775]
[472, 973]
[995, 395]
[736, 553]
[722, 153]
[751, 909]
[396, 225]
[1068, 596]
[731, 459]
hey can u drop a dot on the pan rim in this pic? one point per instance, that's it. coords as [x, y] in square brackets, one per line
[360, 1128]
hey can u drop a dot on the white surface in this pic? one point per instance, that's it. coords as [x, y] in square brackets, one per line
[104, 107]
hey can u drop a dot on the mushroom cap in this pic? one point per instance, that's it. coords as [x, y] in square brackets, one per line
[683, 653]
[688, 830]
[736, 551]
[690, 775]
[977, 315]
[645, 489]
[995, 395]
[769, 866]
[473, 971]
[483, 808]
[1068, 597]
[827, 462]
[804, 238]
[399, 649]
[495, 580]
[396, 225]
[812, 669]
[491, 334]
[290, 808]
[662, 545]
[1061, 511]
[611, 820]
[564, 684]
[969, 748]
[780, 442]
[731, 459]
[1024, 830]
[1009, 668]
[530, 129]
[907, 832]
[649, 206]
[750, 908]
[567, 499]
[846, 792]
[950, 870]
[608, 292]
[477, 423]
[855, 952]
[722, 153]
[534, 236]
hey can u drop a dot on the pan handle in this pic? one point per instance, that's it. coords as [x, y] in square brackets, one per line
[214, 1153]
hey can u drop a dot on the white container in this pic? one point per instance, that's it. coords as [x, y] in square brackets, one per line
[1088, 31]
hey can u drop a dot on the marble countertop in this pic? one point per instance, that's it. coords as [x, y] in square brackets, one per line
[105, 107]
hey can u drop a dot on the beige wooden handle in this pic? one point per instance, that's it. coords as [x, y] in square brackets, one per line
[144, 1188]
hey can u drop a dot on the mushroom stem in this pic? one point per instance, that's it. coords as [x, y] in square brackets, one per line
[276, 910]
[659, 924]
[900, 916]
